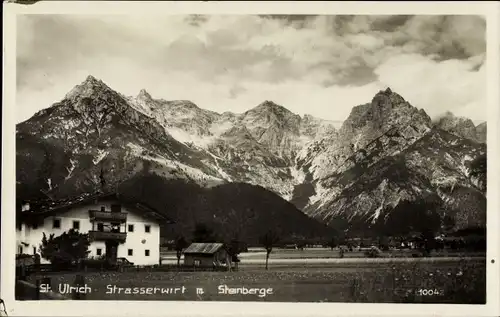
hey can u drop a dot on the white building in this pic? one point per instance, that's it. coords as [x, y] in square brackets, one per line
[117, 227]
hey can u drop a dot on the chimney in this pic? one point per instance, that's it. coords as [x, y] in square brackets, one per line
[116, 208]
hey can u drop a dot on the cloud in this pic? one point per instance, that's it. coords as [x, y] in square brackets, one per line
[323, 65]
[438, 86]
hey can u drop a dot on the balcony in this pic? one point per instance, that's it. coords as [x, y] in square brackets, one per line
[107, 236]
[107, 216]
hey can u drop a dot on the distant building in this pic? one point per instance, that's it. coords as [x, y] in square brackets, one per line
[117, 226]
[205, 255]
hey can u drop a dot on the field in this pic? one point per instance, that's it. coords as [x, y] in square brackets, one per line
[310, 278]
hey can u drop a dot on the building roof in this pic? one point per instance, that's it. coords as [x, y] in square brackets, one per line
[203, 248]
[50, 207]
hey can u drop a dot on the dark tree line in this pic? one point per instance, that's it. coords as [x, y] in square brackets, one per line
[478, 169]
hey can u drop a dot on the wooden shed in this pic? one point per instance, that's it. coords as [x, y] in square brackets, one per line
[207, 255]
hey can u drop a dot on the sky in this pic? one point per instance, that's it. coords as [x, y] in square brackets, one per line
[318, 65]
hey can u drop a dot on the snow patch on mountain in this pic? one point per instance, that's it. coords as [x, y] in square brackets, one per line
[101, 154]
[190, 139]
[298, 175]
[186, 171]
[220, 127]
[384, 152]
[71, 168]
[217, 167]
[463, 166]
[323, 195]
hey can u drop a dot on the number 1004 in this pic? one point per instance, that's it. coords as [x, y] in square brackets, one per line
[428, 292]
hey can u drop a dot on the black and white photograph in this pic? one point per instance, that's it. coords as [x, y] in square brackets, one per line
[293, 158]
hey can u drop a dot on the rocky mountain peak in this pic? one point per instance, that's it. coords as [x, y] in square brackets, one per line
[460, 126]
[183, 104]
[144, 95]
[307, 117]
[272, 107]
[387, 109]
[89, 87]
[481, 131]
[384, 153]
[387, 99]
[449, 117]
[238, 130]
[91, 80]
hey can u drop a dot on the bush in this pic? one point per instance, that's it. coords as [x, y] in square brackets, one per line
[373, 252]
[24, 259]
[23, 256]
[94, 263]
[66, 250]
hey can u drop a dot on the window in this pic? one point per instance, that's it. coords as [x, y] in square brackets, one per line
[197, 262]
[76, 224]
[130, 228]
[34, 250]
[56, 224]
[147, 228]
[100, 227]
[98, 252]
[146, 252]
[35, 226]
[20, 250]
[115, 227]
[130, 252]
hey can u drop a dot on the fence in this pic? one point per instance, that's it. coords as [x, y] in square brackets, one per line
[24, 271]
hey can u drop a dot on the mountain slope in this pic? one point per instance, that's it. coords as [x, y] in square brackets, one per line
[95, 128]
[96, 137]
[481, 132]
[462, 127]
[257, 146]
[234, 209]
[387, 154]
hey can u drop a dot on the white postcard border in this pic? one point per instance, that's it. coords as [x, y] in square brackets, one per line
[178, 308]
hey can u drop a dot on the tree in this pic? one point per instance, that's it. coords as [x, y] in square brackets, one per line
[234, 248]
[383, 243]
[478, 170]
[202, 233]
[180, 245]
[448, 223]
[428, 241]
[268, 240]
[333, 242]
[66, 249]
[301, 244]
[102, 179]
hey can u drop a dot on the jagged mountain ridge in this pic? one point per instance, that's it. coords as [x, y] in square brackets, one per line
[258, 146]
[463, 127]
[94, 128]
[481, 131]
[376, 163]
[303, 159]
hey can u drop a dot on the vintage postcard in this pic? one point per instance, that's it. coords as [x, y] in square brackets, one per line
[232, 158]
